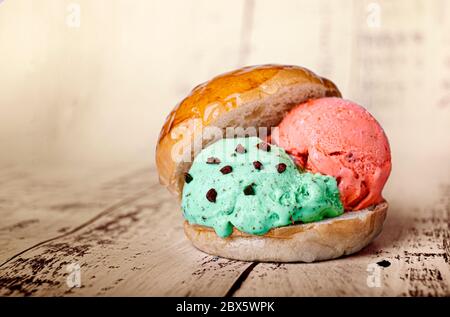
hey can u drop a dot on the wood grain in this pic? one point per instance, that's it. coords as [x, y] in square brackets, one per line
[40, 202]
[136, 246]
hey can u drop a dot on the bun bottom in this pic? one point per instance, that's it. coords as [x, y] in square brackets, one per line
[322, 240]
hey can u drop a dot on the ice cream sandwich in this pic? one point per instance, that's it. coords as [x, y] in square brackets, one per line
[271, 164]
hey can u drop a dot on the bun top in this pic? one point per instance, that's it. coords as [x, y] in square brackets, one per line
[246, 99]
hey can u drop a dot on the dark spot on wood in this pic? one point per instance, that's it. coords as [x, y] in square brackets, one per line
[20, 225]
[64, 249]
[384, 263]
[104, 242]
[238, 283]
[24, 285]
[72, 206]
[38, 264]
[118, 281]
[120, 223]
[63, 229]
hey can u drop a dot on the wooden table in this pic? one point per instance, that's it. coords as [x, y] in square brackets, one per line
[115, 231]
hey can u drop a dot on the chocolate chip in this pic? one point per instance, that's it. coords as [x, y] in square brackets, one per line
[263, 146]
[226, 169]
[240, 149]
[187, 178]
[249, 190]
[257, 165]
[281, 167]
[212, 160]
[211, 195]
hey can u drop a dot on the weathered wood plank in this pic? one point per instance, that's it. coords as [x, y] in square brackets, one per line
[39, 203]
[136, 249]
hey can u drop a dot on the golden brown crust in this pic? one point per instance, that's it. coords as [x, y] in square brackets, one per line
[227, 93]
[311, 242]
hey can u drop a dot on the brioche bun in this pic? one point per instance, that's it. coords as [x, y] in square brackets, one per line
[322, 240]
[258, 96]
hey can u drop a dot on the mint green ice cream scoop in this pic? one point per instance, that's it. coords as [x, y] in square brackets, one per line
[254, 186]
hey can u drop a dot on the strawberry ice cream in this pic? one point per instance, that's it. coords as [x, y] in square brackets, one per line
[337, 137]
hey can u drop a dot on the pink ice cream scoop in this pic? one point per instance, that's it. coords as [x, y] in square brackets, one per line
[337, 137]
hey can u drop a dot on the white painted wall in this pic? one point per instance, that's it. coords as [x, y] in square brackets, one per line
[100, 91]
